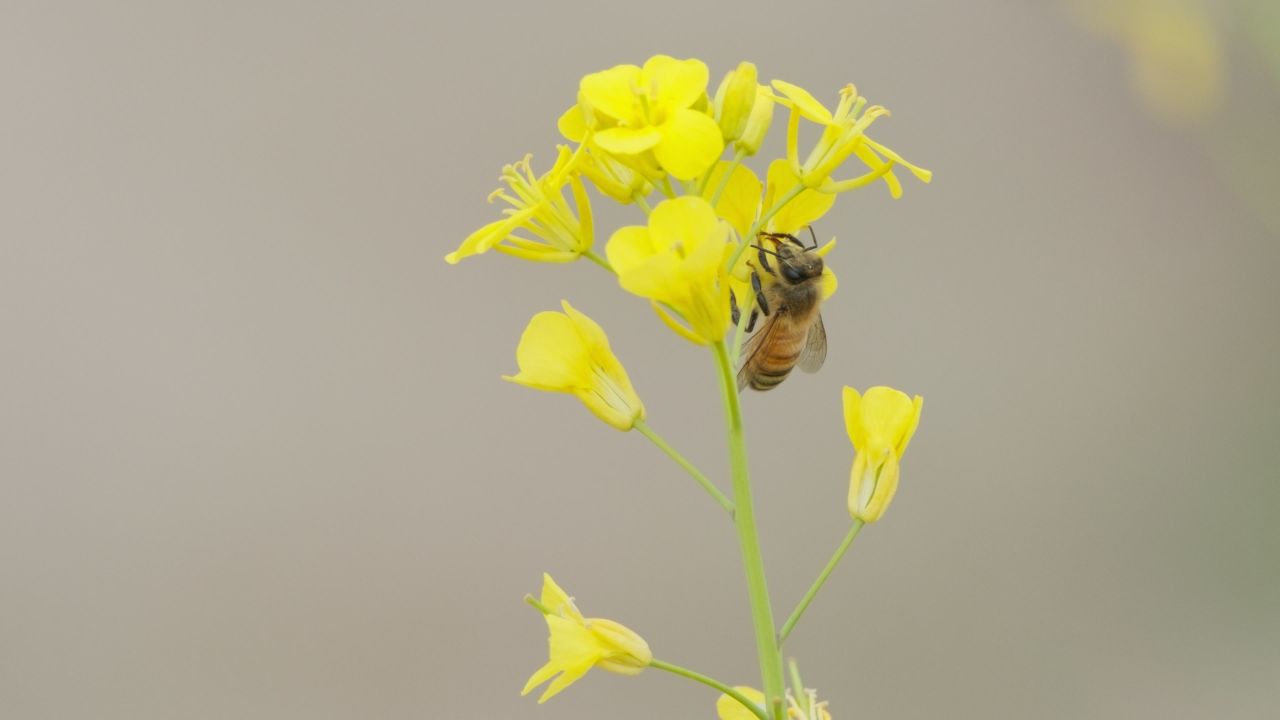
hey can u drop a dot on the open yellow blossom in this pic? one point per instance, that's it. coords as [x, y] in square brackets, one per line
[678, 263]
[843, 134]
[578, 644]
[652, 109]
[568, 352]
[552, 232]
[880, 424]
[729, 708]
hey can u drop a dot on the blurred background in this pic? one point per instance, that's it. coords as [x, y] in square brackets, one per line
[256, 460]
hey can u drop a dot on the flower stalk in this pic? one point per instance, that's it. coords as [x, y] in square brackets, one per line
[817, 584]
[644, 429]
[710, 682]
[749, 540]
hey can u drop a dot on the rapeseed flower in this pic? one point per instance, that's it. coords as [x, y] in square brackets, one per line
[880, 425]
[678, 263]
[569, 353]
[539, 225]
[578, 644]
[654, 109]
[843, 134]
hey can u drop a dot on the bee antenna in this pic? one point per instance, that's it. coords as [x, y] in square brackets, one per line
[767, 252]
[813, 235]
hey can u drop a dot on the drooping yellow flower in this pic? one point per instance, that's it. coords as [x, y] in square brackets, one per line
[578, 644]
[678, 263]
[539, 225]
[729, 708]
[843, 134]
[880, 424]
[569, 353]
[652, 109]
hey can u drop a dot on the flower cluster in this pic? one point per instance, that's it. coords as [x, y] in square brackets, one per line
[716, 249]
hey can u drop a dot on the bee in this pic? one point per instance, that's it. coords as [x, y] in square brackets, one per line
[792, 334]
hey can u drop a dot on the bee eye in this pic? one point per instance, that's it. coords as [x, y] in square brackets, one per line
[792, 273]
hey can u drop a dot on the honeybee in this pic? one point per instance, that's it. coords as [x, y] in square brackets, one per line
[792, 334]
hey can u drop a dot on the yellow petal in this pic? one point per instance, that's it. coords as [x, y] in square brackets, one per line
[551, 355]
[566, 678]
[853, 418]
[888, 414]
[917, 404]
[690, 144]
[925, 176]
[573, 124]
[801, 100]
[828, 281]
[628, 141]
[886, 486]
[543, 674]
[556, 600]
[679, 83]
[803, 210]
[729, 708]
[627, 653]
[483, 240]
[740, 201]
[612, 91]
[688, 222]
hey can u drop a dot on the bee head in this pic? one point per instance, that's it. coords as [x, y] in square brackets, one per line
[798, 265]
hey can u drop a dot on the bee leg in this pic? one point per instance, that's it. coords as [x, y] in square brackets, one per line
[734, 311]
[794, 240]
[761, 302]
[751, 322]
[764, 261]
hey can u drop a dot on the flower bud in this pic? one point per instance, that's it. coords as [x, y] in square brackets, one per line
[758, 122]
[734, 100]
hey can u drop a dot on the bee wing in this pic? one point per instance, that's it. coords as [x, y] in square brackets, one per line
[752, 348]
[815, 347]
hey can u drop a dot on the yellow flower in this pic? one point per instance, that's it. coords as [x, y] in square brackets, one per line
[729, 708]
[880, 424]
[843, 134]
[678, 263]
[577, 644]
[622, 179]
[1177, 55]
[539, 209]
[651, 108]
[568, 352]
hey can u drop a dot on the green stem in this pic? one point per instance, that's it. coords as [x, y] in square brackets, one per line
[749, 541]
[642, 203]
[710, 682]
[750, 237]
[696, 474]
[588, 254]
[817, 584]
[724, 179]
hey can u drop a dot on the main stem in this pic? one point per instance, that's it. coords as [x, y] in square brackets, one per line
[749, 541]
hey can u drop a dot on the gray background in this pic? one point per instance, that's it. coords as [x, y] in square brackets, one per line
[256, 460]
